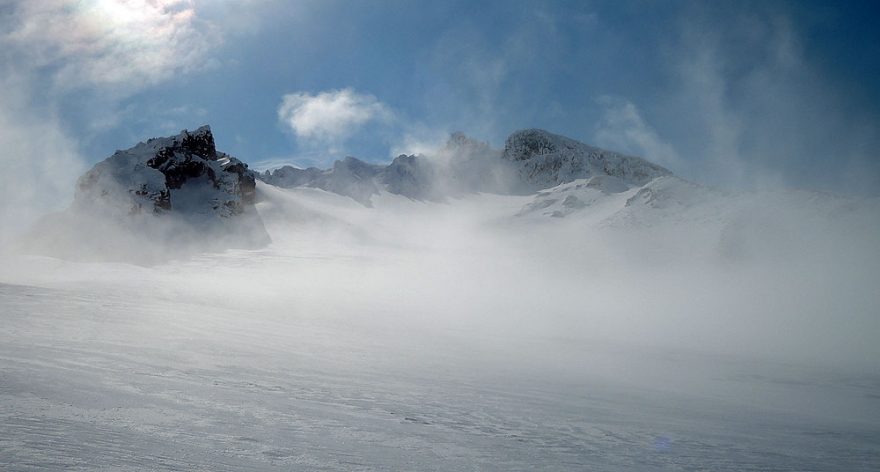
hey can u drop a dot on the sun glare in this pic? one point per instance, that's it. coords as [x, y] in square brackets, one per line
[137, 17]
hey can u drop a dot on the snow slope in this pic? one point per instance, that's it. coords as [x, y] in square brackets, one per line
[433, 336]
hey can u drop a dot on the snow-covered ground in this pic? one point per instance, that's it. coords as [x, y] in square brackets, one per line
[455, 336]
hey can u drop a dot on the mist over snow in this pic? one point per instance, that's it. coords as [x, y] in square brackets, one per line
[381, 321]
[266, 235]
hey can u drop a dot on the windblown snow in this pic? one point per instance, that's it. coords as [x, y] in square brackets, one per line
[549, 305]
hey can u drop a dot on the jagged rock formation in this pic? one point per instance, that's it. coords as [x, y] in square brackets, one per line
[183, 173]
[163, 198]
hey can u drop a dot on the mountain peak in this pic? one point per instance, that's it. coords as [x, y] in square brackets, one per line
[199, 142]
[525, 143]
[458, 141]
[182, 173]
[545, 160]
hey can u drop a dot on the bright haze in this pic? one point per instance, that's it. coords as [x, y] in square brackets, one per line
[321, 235]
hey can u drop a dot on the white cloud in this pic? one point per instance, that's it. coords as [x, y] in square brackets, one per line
[332, 116]
[127, 44]
[623, 128]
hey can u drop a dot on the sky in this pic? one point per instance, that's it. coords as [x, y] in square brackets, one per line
[737, 94]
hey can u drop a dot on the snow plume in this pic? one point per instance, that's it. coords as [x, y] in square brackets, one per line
[329, 118]
[40, 162]
[468, 329]
[748, 106]
[623, 129]
[773, 275]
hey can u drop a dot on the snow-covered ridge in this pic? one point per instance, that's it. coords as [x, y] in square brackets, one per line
[531, 160]
[351, 177]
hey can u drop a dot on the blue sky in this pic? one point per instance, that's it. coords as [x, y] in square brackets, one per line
[726, 93]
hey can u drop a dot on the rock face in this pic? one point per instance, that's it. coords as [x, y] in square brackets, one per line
[545, 160]
[179, 174]
[162, 199]
[410, 176]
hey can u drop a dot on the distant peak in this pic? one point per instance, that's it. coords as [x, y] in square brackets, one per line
[546, 159]
[458, 137]
[459, 140]
[349, 161]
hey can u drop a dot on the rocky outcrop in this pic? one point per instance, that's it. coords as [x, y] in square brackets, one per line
[182, 174]
[161, 199]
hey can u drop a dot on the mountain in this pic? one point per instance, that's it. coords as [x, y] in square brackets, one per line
[545, 160]
[531, 160]
[174, 196]
[351, 177]
[177, 188]
[180, 174]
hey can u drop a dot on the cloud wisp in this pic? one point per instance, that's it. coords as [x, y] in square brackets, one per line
[751, 107]
[623, 129]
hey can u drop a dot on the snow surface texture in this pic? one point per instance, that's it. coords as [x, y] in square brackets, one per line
[440, 336]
